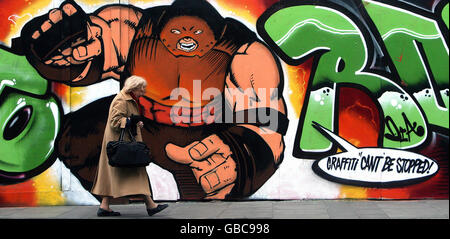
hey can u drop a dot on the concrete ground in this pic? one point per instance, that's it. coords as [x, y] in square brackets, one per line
[299, 209]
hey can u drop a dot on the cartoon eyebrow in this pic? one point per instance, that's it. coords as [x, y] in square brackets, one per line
[191, 28]
[184, 28]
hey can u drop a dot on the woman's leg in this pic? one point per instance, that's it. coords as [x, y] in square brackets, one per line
[152, 207]
[149, 202]
[104, 210]
[105, 203]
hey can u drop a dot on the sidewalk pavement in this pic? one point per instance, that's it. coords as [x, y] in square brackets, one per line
[297, 209]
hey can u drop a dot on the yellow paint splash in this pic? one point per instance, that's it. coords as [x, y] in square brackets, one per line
[48, 189]
[26, 15]
[238, 12]
[352, 192]
[72, 96]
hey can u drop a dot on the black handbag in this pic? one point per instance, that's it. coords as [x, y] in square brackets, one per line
[127, 154]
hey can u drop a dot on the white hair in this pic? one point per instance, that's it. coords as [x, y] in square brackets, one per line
[133, 83]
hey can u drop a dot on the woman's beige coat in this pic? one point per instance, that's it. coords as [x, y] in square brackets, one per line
[113, 181]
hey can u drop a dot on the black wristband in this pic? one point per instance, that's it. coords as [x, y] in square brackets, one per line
[255, 162]
[261, 117]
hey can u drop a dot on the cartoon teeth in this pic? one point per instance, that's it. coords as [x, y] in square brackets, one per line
[187, 46]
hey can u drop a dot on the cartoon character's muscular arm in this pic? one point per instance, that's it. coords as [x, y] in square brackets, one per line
[240, 159]
[256, 77]
[53, 47]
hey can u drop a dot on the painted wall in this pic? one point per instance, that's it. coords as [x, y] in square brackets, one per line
[366, 85]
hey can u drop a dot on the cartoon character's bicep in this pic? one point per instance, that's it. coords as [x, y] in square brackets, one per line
[254, 87]
[118, 24]
[258, 76]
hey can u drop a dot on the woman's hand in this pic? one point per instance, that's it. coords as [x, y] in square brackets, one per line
[140, 124]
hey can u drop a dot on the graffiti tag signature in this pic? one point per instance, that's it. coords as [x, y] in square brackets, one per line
[399, 133]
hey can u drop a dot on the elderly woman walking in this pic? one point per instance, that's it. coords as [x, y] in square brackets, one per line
[113, 182]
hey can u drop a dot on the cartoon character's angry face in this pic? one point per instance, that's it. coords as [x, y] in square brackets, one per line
[188, 36]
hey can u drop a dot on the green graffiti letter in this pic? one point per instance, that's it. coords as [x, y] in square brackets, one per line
[341, 56]
[420, 55]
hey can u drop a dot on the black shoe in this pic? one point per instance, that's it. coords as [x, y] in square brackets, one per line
[159, 208]
[105, 213]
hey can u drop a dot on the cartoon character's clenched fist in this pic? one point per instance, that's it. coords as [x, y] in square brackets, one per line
[66, 36]
[70, 49]
[211, 162]
[67, 45]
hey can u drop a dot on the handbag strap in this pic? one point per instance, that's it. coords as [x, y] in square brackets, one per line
[122, 133]
[133, 139]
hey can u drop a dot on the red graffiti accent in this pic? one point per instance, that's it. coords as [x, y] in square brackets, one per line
[256, 7]
[298, 83]
[359, 121]
[18, 195]
[437, 186]
[399, 59]
[7, 9]
[59, 89]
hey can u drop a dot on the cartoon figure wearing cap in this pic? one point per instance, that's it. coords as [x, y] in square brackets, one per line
[223, 141]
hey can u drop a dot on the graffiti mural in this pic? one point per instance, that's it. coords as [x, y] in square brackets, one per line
[379, 79]
[258, 100]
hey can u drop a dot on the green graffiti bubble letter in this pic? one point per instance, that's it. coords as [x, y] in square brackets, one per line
[341, 55]
[29, 120]
[420, 54]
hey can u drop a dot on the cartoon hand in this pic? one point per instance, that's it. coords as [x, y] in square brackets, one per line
[211, 163]
[77, 47]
